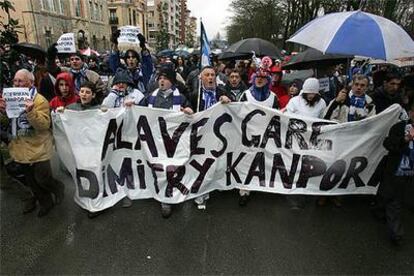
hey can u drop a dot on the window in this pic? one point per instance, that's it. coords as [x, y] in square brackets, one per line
[77, 8]
[61, 6]
[101, 13]
[96, 11]
[91, 11]
[112, 14]
[51, 4]
[134, 18]
[48, 37]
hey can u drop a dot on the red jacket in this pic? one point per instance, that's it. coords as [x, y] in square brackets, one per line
[280, 92]
[58, 100]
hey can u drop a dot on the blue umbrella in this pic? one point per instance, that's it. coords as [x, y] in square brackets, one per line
[356, 33]
[165, 53]
[182, 53]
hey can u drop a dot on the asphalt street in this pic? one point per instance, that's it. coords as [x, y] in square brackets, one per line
[265, 237]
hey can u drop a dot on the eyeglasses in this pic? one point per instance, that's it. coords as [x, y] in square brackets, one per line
[75, 59]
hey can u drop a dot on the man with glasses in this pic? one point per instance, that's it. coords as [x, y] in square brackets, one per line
[31, 148]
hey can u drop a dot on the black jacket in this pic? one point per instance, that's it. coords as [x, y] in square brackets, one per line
[383, 100]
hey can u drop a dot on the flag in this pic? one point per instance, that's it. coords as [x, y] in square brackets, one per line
[204, 48]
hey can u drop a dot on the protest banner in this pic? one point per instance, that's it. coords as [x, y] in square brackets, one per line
[141, 153]
[66, 43]
[324, 84]
[128, 37]
[15, 100]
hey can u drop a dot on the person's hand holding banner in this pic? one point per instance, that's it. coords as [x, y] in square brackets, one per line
[15, 100]
[28, 105]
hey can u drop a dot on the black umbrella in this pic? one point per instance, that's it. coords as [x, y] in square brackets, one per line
[233, 56]
[31, 50]
[260, 46]
[312, 58]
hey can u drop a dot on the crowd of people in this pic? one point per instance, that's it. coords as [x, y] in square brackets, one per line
[137, 78]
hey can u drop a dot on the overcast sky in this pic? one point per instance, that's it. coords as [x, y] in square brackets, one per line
[215, 15]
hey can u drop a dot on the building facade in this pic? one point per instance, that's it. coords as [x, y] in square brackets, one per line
[128, 12]
[44, 21]
[164, 20]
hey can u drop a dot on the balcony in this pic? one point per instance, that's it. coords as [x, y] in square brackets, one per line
[113, 21]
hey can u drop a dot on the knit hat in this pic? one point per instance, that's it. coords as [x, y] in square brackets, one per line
[121, 76]
[311, 85]
[169, 74]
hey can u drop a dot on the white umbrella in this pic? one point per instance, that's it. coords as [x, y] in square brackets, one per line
[356, 33]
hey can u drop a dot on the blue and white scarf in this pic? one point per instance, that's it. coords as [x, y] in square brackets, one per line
[20, 126]
[209, 97]
[357, 110]
[120, 97]
[79, 76]
[177, 100]
[138, 79]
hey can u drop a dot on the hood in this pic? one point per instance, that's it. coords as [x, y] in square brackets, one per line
[68, 78]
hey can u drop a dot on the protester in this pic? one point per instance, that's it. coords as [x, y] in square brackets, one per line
[31, 148]
[389, 93]
[351, 106]
[87, 98]
[64, 90]
[294, 88]
[235, 86]
[259, 93]
[309, 103]
[78, 69]
[276, 86]
[210, 94]
[167, 96]
[123, 92]
[138, 67]
[398, 175]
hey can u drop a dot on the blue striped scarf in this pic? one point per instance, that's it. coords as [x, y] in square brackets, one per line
[177, 100]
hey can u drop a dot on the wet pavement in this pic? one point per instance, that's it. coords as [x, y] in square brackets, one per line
[265, 237]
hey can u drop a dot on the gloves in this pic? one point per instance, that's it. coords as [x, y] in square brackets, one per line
[114, 37]
[52, 52]
[141, 41]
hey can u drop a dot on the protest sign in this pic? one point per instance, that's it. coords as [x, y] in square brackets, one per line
[15, 100]
[66, 43]
[128, 38]
[324, 84]
[141, 153]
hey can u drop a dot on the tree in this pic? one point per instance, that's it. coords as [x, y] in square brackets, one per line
[272, 19]
[8, 31]
[162, 37]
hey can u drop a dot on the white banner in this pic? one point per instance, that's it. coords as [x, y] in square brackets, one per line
[153, 153]
[128, 34]
[66, 43]
[15, 99]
